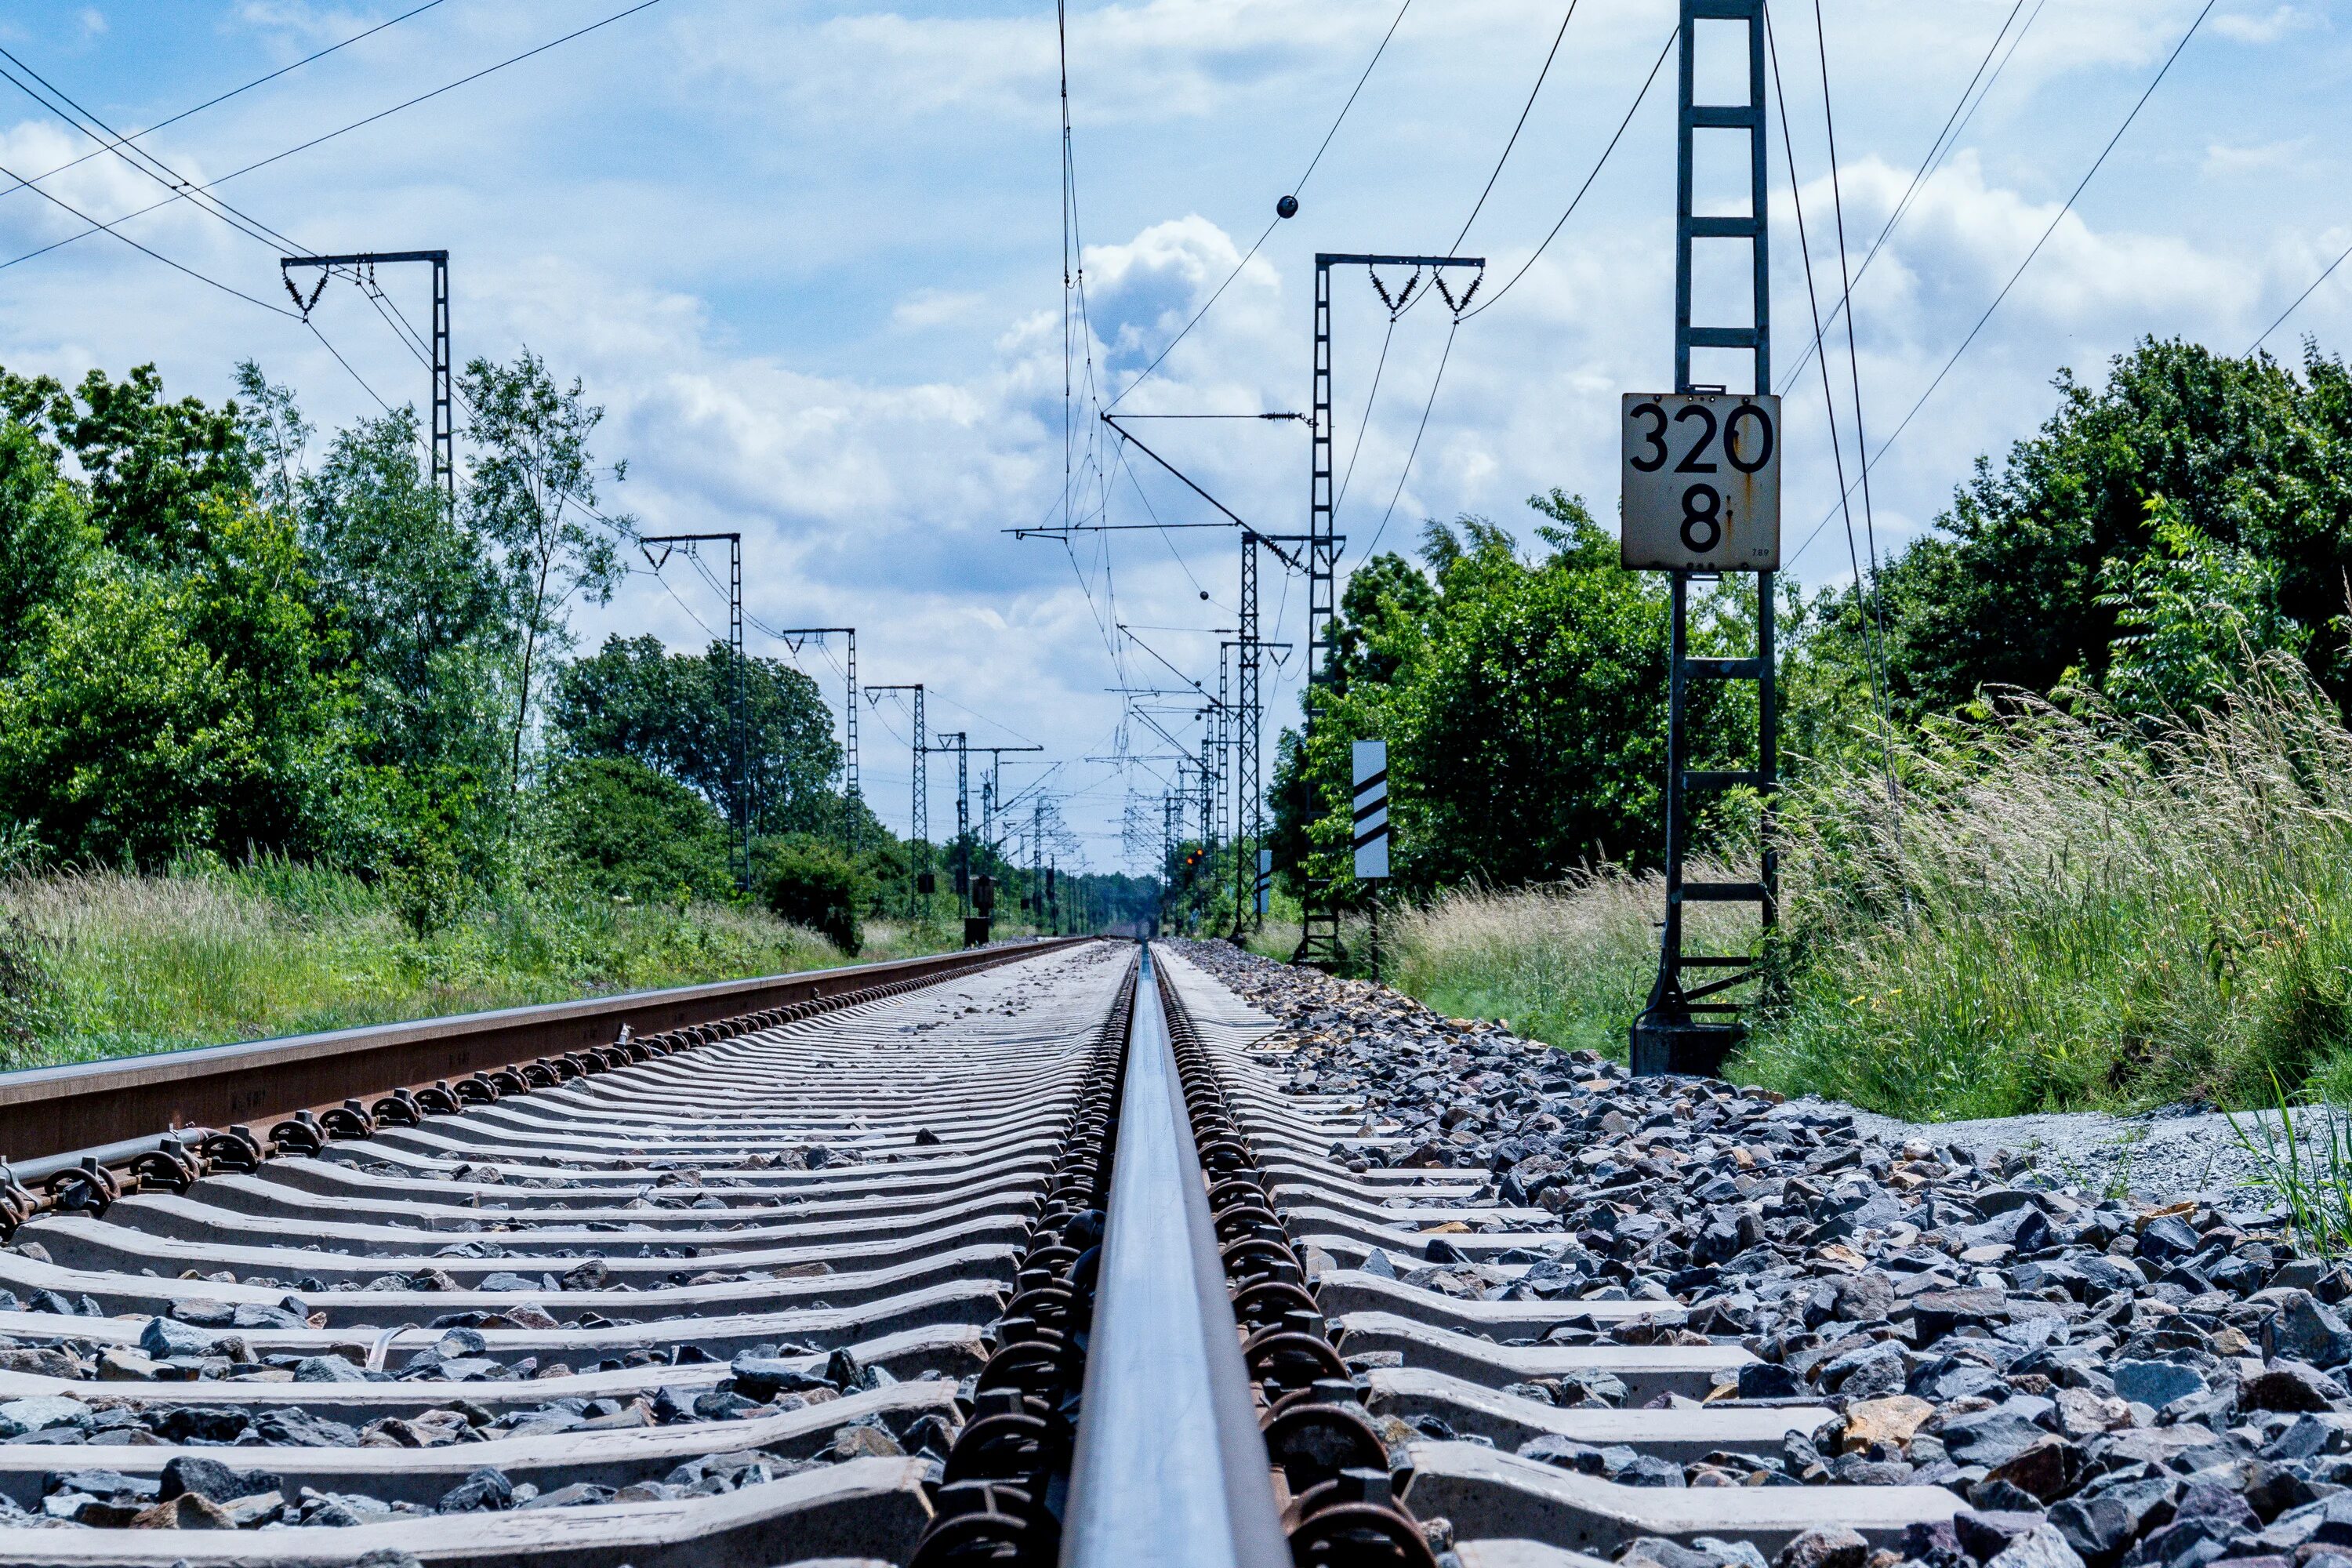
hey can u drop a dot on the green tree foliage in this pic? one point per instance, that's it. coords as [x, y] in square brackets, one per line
[44, 531]
[2191, 615]
[813, 884]
[673, 713]
[635, 832]
[416, 591]
[153, 467]
[150, 711]
[531, 500]
[2031, 579]
[1523, 701]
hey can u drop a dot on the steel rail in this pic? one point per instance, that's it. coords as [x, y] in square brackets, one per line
[1171, 1470]
[109, 1108]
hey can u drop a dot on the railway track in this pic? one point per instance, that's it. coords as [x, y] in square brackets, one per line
[1020, 1259]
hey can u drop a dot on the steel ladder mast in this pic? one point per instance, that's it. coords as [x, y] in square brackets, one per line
[1249, 783]
[959, 742]
[851, 795]
[1318, 935]
[738, 848]
[920, 820]
[445, 428]
[991, 789]
[1686, 1026]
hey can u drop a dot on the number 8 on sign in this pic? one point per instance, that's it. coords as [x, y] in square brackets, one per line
[1702, 482]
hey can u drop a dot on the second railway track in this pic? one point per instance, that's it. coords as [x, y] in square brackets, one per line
[1016, 1262]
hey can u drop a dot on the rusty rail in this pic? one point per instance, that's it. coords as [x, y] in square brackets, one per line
[89, 1107]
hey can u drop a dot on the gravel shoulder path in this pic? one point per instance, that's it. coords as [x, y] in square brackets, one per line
[2157, 1156]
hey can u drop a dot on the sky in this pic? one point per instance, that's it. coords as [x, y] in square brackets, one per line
[809, 258]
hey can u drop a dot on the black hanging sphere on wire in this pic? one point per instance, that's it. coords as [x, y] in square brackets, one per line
[1204, 593]
[1286, 208]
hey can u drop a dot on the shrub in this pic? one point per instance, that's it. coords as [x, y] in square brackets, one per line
[26, 993]
[816, 886]
[631, 832]
[2066, 908]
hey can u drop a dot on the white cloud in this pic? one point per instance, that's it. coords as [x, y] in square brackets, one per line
[94, 21]
[2268, 28]
[2225, 162]
[808, 256]
[928, 308]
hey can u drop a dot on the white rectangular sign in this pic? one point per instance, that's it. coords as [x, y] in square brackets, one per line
[1371, 759]
[1265, 879]
[1701, 476]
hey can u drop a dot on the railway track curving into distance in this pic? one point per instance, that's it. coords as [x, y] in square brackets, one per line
[1016, 1256]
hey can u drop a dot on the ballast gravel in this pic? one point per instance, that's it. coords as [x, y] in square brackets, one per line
[84, 1493]
[2106, 1380]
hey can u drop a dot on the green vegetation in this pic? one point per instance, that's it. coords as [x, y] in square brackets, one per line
[101, 964]
[2092, 852]
[2303, 1154]
[816, 886]
[291, 739]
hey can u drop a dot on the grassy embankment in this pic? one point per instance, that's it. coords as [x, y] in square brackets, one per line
[96, 964]
[2061, 910]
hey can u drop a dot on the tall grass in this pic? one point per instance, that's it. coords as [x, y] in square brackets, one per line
[1570, 963]
[2080, 907]
[2061, 908]
[120, 964]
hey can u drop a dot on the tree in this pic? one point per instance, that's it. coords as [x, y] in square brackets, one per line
[419, 598]
[813, 884]
[633, 698]
[532, 497]
[2191, 617]
[634, 832]
[45, 533]
[151, 468]
[1523, 702]
[2020, 588]
[155, 710]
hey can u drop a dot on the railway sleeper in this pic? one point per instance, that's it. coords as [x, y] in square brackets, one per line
[842, 1405]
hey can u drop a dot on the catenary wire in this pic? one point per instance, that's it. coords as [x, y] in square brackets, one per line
[1298, 185]
[2097, 163]
[108, 226]
[1525, 110]
[1873, 630]
[234, 91]
[1946, 139]
[1852, 350]
[2326, 273]
[1647, 83]
[1435, 382]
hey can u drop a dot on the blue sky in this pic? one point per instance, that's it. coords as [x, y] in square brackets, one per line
[808, 256]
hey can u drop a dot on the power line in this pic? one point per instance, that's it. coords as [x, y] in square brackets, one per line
[1946, 139]
[2326, 273]
[1435, 382]
[75, 114]
[1496, 297]
[144, 250]
[1298, 185]
[1853, 352]
[248, 87]
[1875, 459]
[1866, 593]
[110, 224]
[1525, 110]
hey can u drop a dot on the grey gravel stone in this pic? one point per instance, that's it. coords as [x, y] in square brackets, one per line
[2158, 1371]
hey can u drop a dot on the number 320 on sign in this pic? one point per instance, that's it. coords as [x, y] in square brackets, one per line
[1702, 482]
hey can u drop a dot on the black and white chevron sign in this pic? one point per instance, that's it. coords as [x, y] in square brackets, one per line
[1371, 810]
